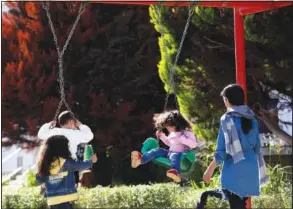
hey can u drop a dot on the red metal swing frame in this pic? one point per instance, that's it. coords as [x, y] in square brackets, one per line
[241, 8]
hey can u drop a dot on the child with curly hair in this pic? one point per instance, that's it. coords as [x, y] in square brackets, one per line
[179, 139]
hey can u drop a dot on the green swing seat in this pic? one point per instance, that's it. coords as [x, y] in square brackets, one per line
[187, 159]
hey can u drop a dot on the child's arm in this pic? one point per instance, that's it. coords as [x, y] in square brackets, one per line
[72, 165]
[219, 156]
[83, 135]
[189, 139]
[220, 153]
[210, 171]
[163, 137]
[44, 132]
[86, 132]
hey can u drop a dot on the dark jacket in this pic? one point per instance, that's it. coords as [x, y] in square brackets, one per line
[60, 185]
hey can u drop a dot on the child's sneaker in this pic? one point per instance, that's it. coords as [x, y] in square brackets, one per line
[173, 174]
[135, 159]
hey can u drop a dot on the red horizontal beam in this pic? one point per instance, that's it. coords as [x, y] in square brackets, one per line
[250, 10]
[253, 10]
[260, 6]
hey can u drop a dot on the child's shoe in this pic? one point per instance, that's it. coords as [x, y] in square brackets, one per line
[135, 159]
[173, 174]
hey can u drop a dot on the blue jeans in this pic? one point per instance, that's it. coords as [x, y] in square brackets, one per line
[235, 201]
[218, 193]
[174, 157]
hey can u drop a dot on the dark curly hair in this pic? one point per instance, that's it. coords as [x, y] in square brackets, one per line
[54, 147]
[171, 118]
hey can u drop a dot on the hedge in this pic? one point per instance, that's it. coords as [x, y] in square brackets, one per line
[142, 196]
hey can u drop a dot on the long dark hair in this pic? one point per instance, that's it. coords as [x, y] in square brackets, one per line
[171, 118]
[54, 148]
[235, 95]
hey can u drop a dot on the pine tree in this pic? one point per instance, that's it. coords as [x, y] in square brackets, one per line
[207, 62]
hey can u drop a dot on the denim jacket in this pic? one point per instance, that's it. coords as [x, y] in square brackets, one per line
[60, 185]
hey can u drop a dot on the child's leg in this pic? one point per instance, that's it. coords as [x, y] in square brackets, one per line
[173, 173]
[137, 158]
[66, 205]
[212, 193]
[235, 201]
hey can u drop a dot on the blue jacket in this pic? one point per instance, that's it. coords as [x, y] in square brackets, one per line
[60, 185]
[241, 178]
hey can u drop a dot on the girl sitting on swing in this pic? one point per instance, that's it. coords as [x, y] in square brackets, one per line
[179, 139]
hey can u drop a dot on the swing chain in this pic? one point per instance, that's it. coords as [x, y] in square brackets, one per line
[172, 68]
[45, 6]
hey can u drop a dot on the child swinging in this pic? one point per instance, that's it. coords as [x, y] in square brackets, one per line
[179, 139]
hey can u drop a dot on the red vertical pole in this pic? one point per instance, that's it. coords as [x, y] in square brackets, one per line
[248, 203]
[240, 60]
[240, 50]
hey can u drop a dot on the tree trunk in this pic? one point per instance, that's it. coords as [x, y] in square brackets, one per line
[272, 122]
